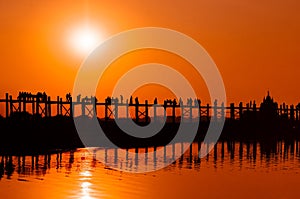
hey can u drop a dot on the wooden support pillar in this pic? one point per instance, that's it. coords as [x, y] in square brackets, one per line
[20, 104]
[33, 106]
[146, 111]
[154, 112]
[254, 110]
[165, 110]
[94, 101]
[137, 112]
[71, 106]
[46, 106]
[11, 105]
[292, 113]
[60, 106]
[57, 105]
[207, 112]
[222, 110]
[49, 106]
[116, 110]
[182, 111]
[232, 116]
[174, 113]
[199, 110]
[191, 112]
[82, 108]
[215, 110]
[6, 105]
[106, 111]
[37, 106]
[24, 104]
[127, 109]
[241, 110]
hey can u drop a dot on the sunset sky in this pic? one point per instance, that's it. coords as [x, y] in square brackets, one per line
[255, 44]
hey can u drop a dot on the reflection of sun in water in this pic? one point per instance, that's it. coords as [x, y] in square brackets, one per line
[85, 39]
[85, 190]
[85, 186]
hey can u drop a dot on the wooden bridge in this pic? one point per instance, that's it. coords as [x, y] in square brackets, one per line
[42, 105]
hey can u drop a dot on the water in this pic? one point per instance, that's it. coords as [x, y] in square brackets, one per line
[232, 169]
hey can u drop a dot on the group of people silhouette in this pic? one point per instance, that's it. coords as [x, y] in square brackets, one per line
[30, 97]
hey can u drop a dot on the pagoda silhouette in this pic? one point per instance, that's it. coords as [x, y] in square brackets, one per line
[268, 109]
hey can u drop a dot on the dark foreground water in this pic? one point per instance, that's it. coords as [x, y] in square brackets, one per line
[231, 170]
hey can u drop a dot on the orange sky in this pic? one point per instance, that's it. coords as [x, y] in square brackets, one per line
[255, 44]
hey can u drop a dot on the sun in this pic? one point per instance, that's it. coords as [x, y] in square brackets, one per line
[84, 39]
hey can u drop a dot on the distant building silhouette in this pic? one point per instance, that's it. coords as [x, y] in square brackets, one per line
[268, 108]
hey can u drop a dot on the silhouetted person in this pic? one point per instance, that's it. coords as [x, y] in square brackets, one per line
[155, 101]
[68, 97]
[108, 100]
[78, 98]
[121, 98]
[174, 102]
[215, 103]
[130, 102]
[116, 101]
[44, 97]
[136, 100]
[180, 102]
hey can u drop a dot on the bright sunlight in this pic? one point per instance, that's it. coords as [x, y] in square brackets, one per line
[85, 39]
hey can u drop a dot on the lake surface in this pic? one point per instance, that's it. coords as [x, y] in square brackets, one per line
[231, 170]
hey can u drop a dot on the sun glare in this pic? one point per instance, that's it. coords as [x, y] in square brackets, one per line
[85, 39]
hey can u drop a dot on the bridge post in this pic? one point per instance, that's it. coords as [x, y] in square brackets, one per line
[60, 106]
[106, 110]
[137, 112]
[232, 111]
[20, 104]
[11, 105]
[174, 113]
[46, 106]
[191, 112]
[49, 106]
[182, 111]
[146, 111]
[222, 110]
[127, 109]
[57, 105]
[71, 106]
[6, 106]
[95, 104]
[199, 110]
[165, 110]
[254, 110]
[37, 106]
[241, 110]
[24, 104]
[33, 106]
[116, 116]
[292, 113]
[207, 112]
[215, 110]
[154, 112]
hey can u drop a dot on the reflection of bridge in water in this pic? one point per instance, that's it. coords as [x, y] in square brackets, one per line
[42, 105]
[274, 155]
